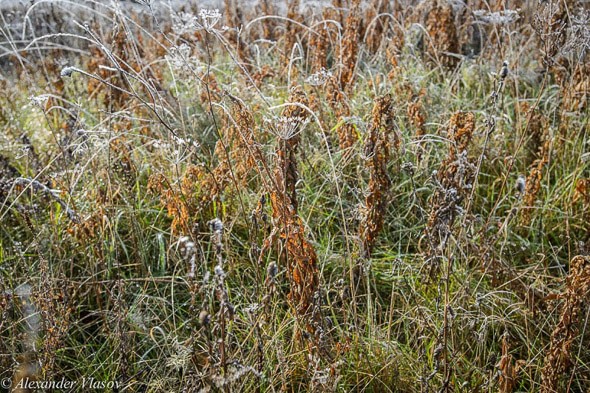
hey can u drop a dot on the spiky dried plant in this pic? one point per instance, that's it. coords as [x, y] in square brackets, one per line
[394, 49]
[236, 154]
[300, 256]
[378, 24]
[234, 150]
[454, 180]
[508, 369]
[267, 7]
[377, 153]
[337, 100]
[292, 30]
[177, 208]
[576, 295]
[319, 45]
[416, 113]
[444, 42]
[576, 91]
[350, 46]
[536, 126]
[533, 182]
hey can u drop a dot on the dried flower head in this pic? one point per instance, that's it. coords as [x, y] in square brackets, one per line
[578, 34]
[209, 18]
[520, 185]
[40, 100]
[319, 78]
[216, 225]
[67, 71]
[219, 271]
[272, 270]
[185, 23]
[204, 318]
[180, 58]
[496, 18]
[286, 127]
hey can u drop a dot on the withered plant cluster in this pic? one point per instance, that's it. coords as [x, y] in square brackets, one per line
[346, 195]
[558, 359]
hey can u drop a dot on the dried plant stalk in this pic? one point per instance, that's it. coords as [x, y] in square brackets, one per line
[454, 180]
[377, 151]
[290, 144]
[577, 91]
[443, 33]
[292, 29]
[394, 49]
[302, 261]
[533, 182]
[235, 150]
[237, 154]
[176, 206]
[268, 26]
[379, 25]
[337, 100]
[350, 46]
[508, 370]
[558, 359]
[319, 45]
[416, 113]
[300, 255]
[536, 127]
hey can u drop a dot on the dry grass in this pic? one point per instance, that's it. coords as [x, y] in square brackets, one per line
[354, 196]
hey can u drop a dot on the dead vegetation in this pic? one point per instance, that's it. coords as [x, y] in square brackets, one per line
[344, 195]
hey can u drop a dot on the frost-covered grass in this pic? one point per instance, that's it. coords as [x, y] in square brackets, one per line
[292, 198]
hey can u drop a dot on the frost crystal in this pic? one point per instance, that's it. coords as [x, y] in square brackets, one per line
[216, 225]
[183, 141]
[179, 56]
[319, 78]
[497, 18]
[184, 22]
[67, 71]
[209, 18]
[578, 40]
[39, 100]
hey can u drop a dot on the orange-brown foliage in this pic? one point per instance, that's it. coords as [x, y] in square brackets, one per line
[377, 151]
[559, 357]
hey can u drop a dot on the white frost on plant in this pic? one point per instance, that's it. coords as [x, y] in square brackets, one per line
[185, 23]
[319, 78]
[67, 71]
[498, 17]
[209, 18]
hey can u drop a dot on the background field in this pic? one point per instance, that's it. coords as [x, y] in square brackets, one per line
[303, 196]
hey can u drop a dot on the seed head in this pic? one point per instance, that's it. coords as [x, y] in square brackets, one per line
[219, 271]
[216, 225]
[520, 185]
[204, 318]
[504, 70]
[67, 71]
[272, 270]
